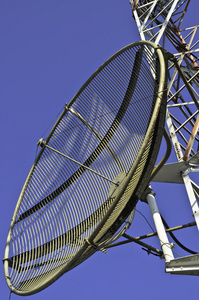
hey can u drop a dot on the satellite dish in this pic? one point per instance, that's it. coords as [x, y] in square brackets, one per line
[91, 170]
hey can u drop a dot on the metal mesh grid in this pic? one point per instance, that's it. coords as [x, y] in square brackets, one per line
[64, 207]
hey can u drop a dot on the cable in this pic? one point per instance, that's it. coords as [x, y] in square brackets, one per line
[145, 219]
[176, 240]
[171, 234]
[166, 156]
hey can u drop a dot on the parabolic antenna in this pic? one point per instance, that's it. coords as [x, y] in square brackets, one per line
[91, 170]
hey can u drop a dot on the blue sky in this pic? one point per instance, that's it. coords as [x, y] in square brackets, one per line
[48, 50]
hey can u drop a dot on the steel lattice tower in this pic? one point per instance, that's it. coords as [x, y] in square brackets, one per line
[161, 22]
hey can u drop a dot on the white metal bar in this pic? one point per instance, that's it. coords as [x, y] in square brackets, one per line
[187, 121]
[192, 197]
[165, 245]
[190, 33]
[166, 21]
[195, 170]
[143, 5]
[148, 15]
[154, 27]
[187, 52]
[142, 25]
[155, 18]
[188, 28]
[180, 104]
[137, 20]
[174, 138]
[191, 139]
[182, 87]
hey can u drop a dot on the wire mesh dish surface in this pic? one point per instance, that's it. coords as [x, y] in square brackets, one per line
[90, 171]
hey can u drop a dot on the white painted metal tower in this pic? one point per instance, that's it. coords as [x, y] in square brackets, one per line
[161, 22]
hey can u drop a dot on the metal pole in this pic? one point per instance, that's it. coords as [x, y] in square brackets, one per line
[165, 245]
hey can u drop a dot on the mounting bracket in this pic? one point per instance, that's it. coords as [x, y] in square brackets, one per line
[187, 265]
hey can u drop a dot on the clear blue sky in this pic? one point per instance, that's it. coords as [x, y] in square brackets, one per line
[48, 49]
